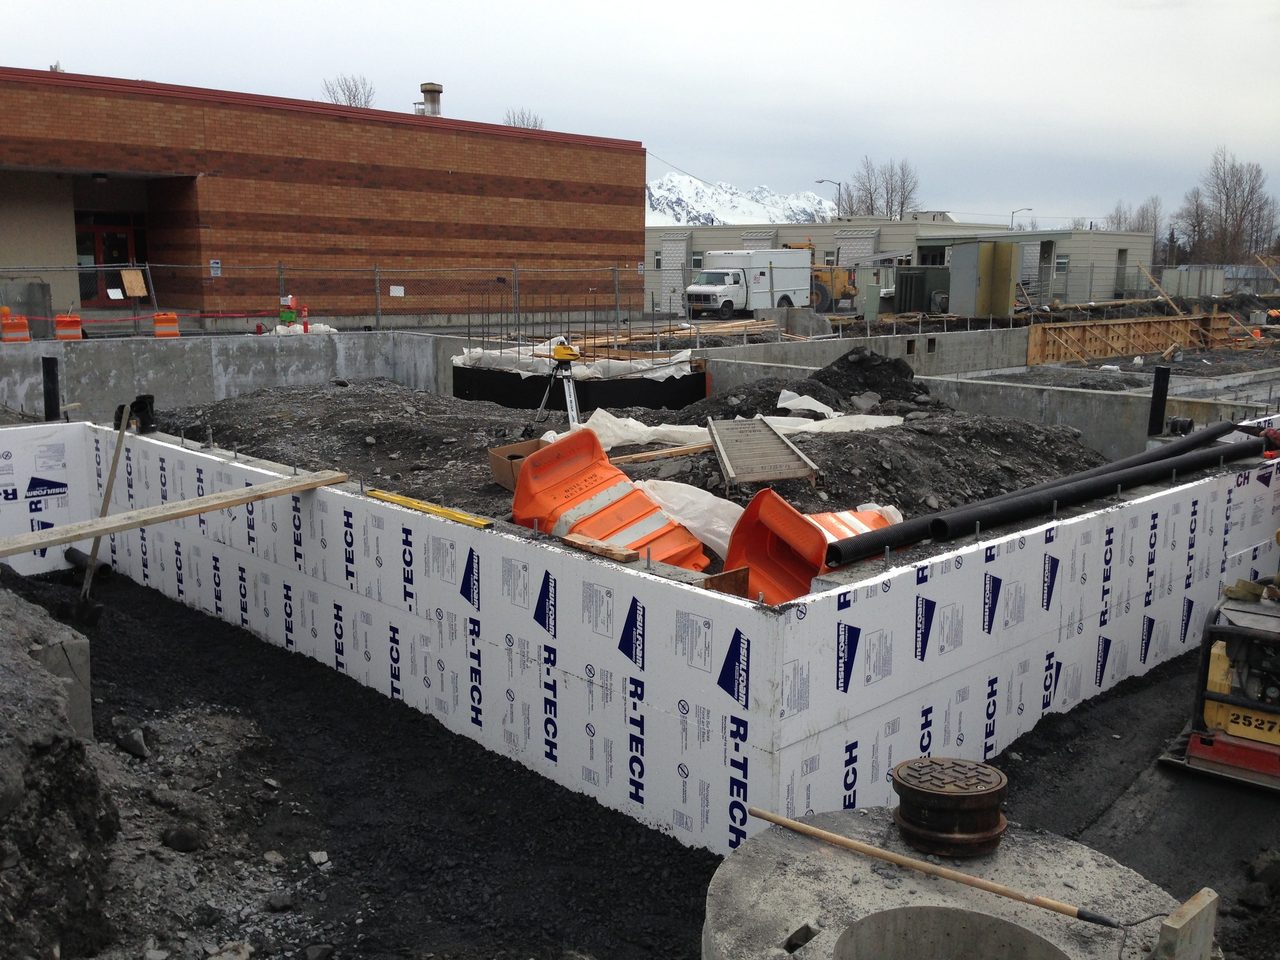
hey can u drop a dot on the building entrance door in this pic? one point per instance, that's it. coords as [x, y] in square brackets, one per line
[99, 245]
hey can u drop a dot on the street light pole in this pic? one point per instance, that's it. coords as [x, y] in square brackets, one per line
[839, 189]
[1015, 213]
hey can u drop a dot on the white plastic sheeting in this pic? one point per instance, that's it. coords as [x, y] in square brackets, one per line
[623, 431]
[709, 518]
[535, 361]
[790, 400]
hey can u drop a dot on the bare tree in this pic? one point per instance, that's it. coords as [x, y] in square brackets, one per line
[1119, 218]
[523, 117]
[1192, 223]
[352, 91]
[889, 190]
[1078, 223]
[1240, 210]
[56, 67]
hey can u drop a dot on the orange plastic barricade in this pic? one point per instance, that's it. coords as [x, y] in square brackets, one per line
[13, 329]
[783, 549]
[165, 324]
[571, 487]
[66, 326]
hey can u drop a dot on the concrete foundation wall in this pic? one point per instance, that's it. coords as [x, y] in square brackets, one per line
[101, 374]
[1114, 424]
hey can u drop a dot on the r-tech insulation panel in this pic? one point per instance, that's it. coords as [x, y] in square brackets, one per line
[674, 705]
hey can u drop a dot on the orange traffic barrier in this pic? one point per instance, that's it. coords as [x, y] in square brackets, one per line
[783, 549]
[66, 326]
[571, 487]
[165, 324]
[13, 329]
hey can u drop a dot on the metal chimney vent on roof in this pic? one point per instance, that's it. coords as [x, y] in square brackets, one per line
[429, 106]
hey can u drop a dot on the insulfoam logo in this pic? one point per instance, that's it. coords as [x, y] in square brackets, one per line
[38, 488]
[738, 769]
[1188, 605]
[179, 577]
[1153, 539]
[989, 730]
[393, 655]
[847, 637]
[144, 555]
[544, 612]
[926, 731]
[1052, 673]
[924, 625]
[406, 568]
[632, 641]
[1100, 666]
[295, 522]
[1148, 627]
[164, 481]
[251, 523]
[204, 521]
[922, 574]
[470, 588]
[1048, 580]
[242, 578]
[474, 674]
[635, 739]
[735, 672]
[217, 585]
[287, 591]
[990, 600]
[1108, 551]
[339, 639]
[844, 599]
[349, 548]
[1191, 545]
[850, 775]
[550, 704]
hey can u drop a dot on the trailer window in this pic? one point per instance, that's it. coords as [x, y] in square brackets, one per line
[657, 259]
[829, 258]
[696, 262]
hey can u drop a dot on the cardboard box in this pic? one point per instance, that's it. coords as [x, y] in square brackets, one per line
[505, 462]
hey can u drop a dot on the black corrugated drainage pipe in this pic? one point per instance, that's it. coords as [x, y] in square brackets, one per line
[957, 523]
[865, 545]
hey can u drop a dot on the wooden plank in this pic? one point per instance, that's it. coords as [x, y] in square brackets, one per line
[732, 582]
[146, 516]
[1168, 299]
[600, 548]
[1187, 933]
[645, 456]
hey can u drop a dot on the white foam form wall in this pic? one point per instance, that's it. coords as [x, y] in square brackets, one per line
[675, 705]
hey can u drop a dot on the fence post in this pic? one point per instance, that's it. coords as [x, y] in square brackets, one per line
[155, 304]
[515, 298]
[617, 299]
[377, 296]
[1091, 295]
[280, 279]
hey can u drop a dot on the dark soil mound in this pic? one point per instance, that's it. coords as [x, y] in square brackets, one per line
[862, 370]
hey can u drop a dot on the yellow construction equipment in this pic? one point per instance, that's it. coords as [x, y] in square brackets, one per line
[827, 284]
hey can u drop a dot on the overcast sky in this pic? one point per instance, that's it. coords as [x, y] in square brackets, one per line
[1062, 107]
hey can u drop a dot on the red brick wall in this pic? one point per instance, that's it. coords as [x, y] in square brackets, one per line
[259, 181]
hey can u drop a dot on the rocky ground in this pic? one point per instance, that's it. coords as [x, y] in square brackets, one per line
[218, 753]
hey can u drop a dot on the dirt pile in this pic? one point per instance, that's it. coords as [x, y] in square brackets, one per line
[56, 821]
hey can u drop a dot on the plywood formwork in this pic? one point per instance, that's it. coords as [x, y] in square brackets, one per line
[1098, 339]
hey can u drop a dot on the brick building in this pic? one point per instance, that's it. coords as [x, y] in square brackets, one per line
[97, 170]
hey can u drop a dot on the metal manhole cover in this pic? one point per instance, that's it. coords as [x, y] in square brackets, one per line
[950, 807]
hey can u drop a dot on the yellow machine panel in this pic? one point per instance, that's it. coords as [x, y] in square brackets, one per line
[1237, 721]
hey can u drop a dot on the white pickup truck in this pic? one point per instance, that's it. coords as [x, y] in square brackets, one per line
[733, 280]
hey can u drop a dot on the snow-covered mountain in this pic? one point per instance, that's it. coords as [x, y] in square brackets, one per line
[680, 199]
